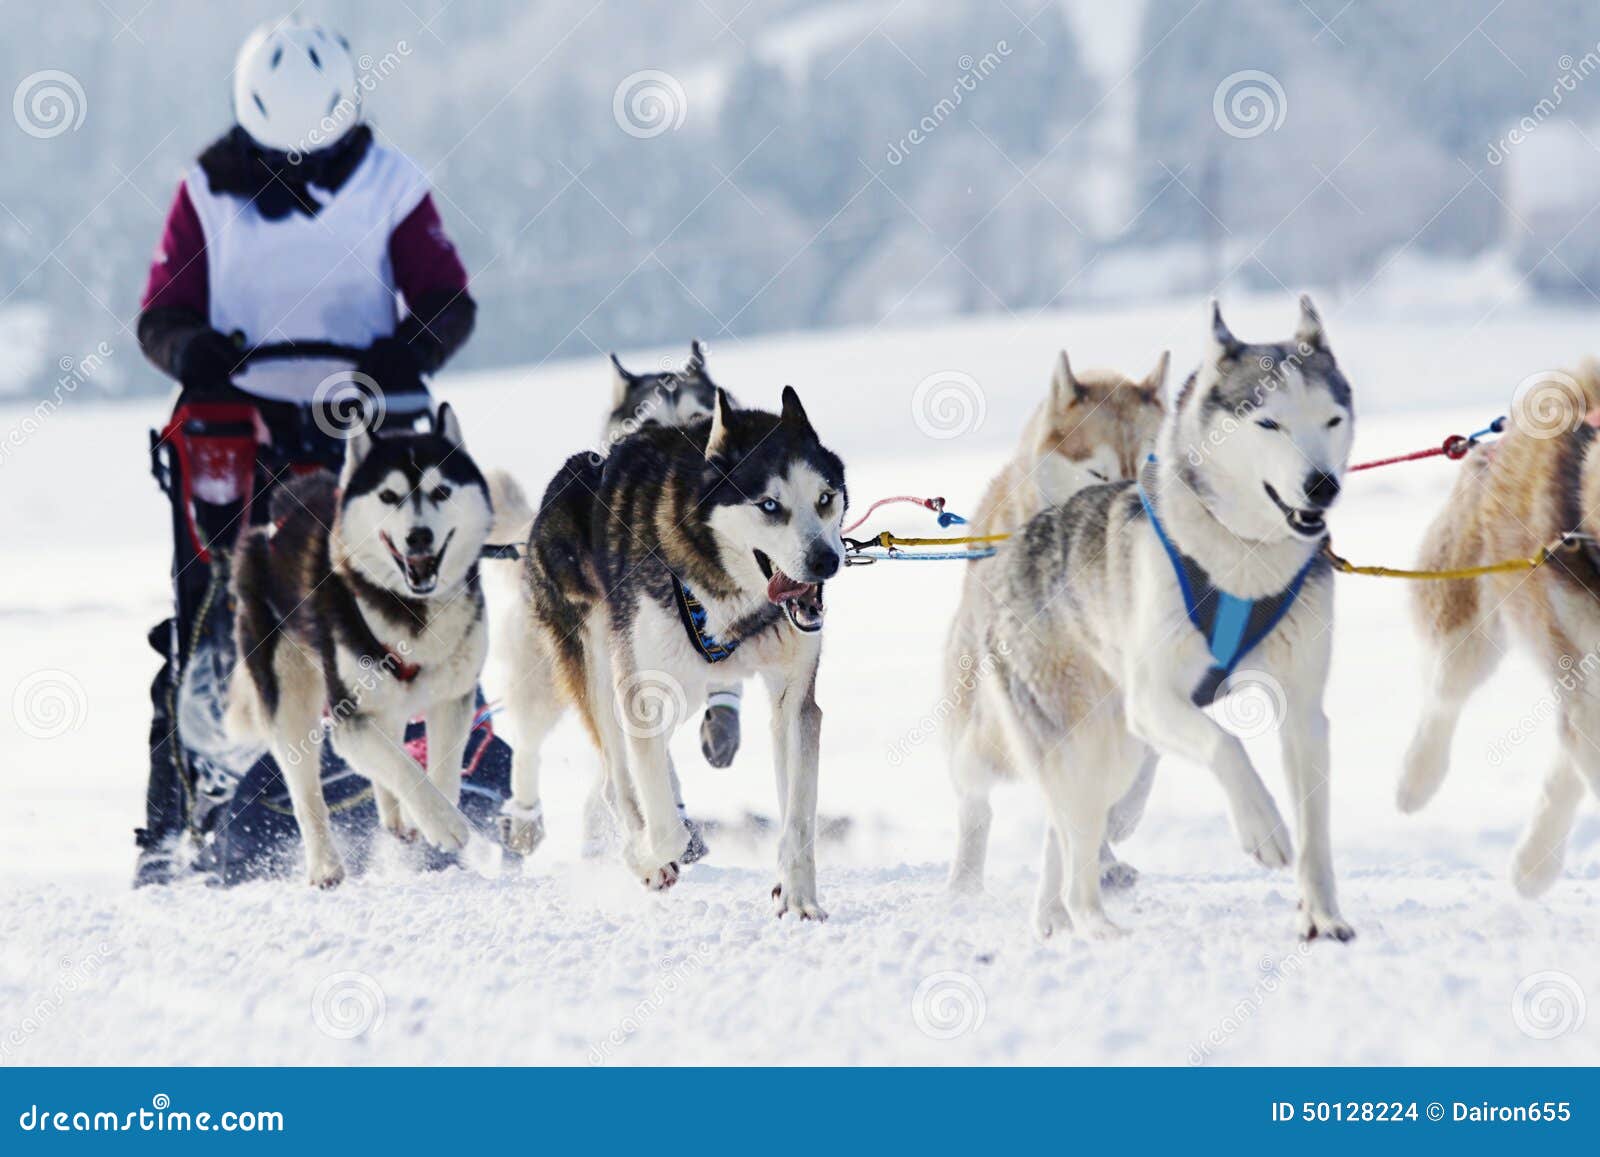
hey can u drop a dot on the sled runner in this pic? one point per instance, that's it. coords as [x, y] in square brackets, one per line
[218, 461]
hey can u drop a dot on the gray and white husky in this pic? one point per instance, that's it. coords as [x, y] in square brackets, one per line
[358, 609]
[687, 557]
[1123, 612]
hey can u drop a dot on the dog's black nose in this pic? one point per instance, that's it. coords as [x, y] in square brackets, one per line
[1321, 488]
[822, 561]
[419, 540]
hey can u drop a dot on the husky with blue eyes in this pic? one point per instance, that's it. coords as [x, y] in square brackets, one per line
[359, 608]
[690, 556]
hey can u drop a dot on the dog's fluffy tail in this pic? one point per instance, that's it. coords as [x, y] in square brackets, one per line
[513, 513]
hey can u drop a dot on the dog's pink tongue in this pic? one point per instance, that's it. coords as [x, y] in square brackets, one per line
[782, 588]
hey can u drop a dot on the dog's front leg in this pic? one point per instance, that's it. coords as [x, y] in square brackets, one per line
[391, 816]
[654, 850]
[449, 724]
[301, 768]
[799, 718]
[369, 748]
[1307, 765]
[1164, 717]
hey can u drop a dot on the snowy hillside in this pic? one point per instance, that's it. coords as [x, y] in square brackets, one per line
[572, 963]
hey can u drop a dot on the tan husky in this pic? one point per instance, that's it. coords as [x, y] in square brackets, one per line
[1537, 483]
[1092, 428]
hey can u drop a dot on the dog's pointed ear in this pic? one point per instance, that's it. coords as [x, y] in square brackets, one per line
[1155, 382]
[356, 448]
[717, 443]
[794, 414]
[697, 359]
[447, 425]
[1309, 332]
[1223, 344]
[621, 379]
[1064, 387]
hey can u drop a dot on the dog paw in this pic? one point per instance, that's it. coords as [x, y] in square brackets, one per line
[445, 827]
[1117, 874]
[325, 874]
[1262, 833]
[521, 834]
[1324, 926]
[1423, 774]
[719, 736]
[966, 883]
[1096, 926]
[662, 878]
[1535, 870]
[1048, 919]
[794, 902]
[400, 828]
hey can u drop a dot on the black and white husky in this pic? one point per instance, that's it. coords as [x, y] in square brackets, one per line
[687, 557]
[358, 609]
[1122, 613]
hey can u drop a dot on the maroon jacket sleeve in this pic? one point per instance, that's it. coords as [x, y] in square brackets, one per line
[176, 306]
[178, 270]
[425, 261]
[428, 272]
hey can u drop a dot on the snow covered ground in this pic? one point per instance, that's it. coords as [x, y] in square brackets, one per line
[571, 962]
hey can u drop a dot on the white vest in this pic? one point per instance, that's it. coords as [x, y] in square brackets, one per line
[323, 278]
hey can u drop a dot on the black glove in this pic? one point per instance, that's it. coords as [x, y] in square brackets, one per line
[207, 363]
[394, 364]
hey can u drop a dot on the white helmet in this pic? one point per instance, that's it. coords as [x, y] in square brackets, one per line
[294, 87]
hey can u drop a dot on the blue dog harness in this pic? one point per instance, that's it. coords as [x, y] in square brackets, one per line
[692, 612]
[1231, 626]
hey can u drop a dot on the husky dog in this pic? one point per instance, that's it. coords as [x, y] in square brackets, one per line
[687, 556]
[660, 399]
[1093, 427]
[667, 398]
[676, 399]
[1120, 614]
[1537, 483]
[360, 601]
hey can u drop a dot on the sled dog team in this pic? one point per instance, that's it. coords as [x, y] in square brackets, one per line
[1157, 552]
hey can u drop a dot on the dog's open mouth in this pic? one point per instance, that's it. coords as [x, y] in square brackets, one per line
[421, 571]
[1305, 523]
[802, 602]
